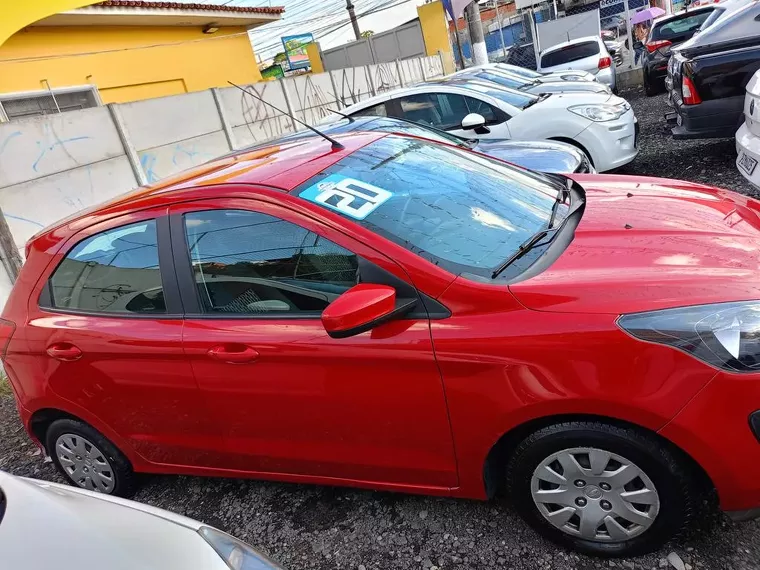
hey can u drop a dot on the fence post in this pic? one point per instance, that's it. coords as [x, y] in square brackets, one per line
[400, 76]
[10, 258]
[369, 79]
[443, 66]
[226, 126]
[129, 149]
[628, 27]
[422, 67]
[288, 103]
[338, 101]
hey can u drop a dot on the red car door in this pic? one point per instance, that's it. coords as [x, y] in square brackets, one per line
[108, 322]
[285, 397]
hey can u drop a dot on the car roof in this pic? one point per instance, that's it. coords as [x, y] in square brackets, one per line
[696, 10]
[572, 42]
[278, 167]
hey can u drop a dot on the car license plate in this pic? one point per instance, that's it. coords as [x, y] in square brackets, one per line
[746, 163]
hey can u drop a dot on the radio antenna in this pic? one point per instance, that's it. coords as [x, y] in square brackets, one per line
[335, 144]
[349, 117]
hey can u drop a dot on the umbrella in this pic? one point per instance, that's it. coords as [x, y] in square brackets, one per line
[648, 14]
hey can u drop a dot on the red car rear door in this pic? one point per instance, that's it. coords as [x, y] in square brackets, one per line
[285, 397]
[105, 332]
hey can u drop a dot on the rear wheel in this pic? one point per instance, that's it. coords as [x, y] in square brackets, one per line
[601, 489]
[88, 460]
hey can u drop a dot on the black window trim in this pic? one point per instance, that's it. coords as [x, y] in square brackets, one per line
[426, 307]
[172, 298]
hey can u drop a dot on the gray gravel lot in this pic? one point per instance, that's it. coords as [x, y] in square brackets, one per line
[326, 528]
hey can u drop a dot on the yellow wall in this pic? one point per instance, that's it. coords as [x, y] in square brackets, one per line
[435, 32]
[315, 60]
[124, 73]
[17, 14]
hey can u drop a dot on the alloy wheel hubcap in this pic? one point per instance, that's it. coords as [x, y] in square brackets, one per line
[594, 494]
[84, 463]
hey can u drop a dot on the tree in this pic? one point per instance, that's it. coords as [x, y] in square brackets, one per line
[279, 57]
[367, 33]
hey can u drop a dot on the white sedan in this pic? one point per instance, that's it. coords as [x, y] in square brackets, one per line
[549, 77]
[45, 525]
[748, 135]
[600, 124]
[508, 79]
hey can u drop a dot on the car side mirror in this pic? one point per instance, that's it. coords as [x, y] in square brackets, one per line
[363, 307]
[473, 121]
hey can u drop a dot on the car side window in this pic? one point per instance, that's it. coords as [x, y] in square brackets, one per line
[488, 111]
[375, 111]
[253, 264]
[441, 110]
[115, 271]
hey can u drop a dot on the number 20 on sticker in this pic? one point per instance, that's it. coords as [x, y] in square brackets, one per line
[348, 196]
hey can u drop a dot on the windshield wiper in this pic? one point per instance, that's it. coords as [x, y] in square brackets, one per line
[522, 250]
[561, 194]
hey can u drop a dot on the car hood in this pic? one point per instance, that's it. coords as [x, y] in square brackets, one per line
[544, 156]
[75, 529]
[571, 74]
[648, 243]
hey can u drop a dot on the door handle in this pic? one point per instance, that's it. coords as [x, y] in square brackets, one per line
[64, 351]
[233, 353]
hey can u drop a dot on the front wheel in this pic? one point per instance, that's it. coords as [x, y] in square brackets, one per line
[601, 489]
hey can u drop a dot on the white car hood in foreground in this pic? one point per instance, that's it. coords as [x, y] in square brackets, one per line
[49, 526]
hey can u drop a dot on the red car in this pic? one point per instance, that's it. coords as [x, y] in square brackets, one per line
[398, 314]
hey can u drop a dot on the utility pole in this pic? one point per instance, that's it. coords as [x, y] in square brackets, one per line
[354, 22]
[479, 52]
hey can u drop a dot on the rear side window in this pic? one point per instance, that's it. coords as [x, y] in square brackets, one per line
[377, 110]
[248, 263]
[569, 54]
[681, 28]
[112, 272]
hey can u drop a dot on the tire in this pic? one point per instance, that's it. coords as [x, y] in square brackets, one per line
[97, 459]
[649, 89]
[675, 488]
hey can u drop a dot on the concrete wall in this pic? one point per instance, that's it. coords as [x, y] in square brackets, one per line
[55, 165]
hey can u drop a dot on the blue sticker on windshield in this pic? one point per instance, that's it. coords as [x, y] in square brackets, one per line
[348, 196]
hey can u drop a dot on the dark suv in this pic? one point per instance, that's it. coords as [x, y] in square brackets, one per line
[665, 34]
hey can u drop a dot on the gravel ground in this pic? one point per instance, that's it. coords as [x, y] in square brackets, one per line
[325, 528]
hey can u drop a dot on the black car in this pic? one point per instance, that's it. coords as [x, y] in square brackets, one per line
[522, 55]
[666, 33]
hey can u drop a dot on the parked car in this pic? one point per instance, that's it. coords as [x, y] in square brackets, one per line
[666, 33]
[708, 74]
[603, 126]
[389, 312]
[522, 55]
[617, 24]
[513, 81]
[544, 156]
[748, 135]
[586, 54]
[723, 10]
[75, 529]
[569, 75]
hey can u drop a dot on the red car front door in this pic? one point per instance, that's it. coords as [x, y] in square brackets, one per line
[284, 397]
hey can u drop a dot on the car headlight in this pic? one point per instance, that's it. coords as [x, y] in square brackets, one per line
[724, 335]
[598, 113]
[235, 553]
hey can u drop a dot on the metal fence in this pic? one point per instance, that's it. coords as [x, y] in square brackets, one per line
[515, 42]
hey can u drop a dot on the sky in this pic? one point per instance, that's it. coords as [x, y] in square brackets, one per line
[323, 18]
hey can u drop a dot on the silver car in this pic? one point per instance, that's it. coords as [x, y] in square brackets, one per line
[535, 86]
[82, 529]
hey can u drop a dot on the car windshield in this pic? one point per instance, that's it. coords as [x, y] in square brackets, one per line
[525, 72]
[518, 99]
[679, 28]
[570, 53]
[505, 80]
[462, 211]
